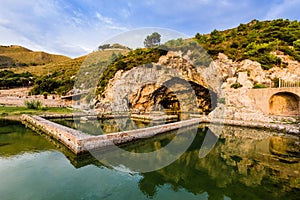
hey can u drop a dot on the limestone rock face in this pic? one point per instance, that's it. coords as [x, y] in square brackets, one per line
[239, 106]
[172, 83]
[160, 89]
[235, 72]
[175, 83]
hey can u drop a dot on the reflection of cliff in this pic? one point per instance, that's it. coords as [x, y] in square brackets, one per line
[239, 165]
[99, 127]
[242, 165]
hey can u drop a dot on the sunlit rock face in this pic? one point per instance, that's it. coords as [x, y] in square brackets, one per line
[232, 71]
[171, 84]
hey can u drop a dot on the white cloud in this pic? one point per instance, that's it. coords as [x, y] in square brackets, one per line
[53, 26]
[287, 9]
[103, 19]
[75, 27]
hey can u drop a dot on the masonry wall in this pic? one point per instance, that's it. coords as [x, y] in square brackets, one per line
[261, 98]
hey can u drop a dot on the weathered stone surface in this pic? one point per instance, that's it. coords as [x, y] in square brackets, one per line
[173, 83]
[255, 74]
[146, 89]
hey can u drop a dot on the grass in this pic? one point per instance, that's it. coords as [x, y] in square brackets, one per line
[13, 56]
[13, 111]
[70, 67]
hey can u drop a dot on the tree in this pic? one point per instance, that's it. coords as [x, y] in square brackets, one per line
[104, 46]
[152, 40]
[296, 45]
[216, 37]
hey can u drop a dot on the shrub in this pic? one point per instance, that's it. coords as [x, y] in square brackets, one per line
[275, 82]
[236, 85]
[255, 41]
[221, 100]
[33, 104]
[259, 85]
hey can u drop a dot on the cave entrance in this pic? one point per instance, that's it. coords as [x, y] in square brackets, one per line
[284, 103]
[153, 98]
[165, 99]
[206, 99]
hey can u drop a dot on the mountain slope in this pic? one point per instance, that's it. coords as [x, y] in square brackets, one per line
[255, 41]
[17, 56]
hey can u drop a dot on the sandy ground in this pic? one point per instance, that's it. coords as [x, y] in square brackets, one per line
[17, 97]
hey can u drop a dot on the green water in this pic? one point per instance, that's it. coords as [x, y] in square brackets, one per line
[244, 164]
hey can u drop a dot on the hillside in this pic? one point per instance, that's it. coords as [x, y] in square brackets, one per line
[17, 56]
[255, 41]
[48, 73]
[60, 77]
[273, 44]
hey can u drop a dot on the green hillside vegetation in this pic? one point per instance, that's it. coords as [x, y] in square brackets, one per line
[49, 73]
[60, 78]
[9, 79]
[255, 40]
[126, 62]
[17, 56]
[112, 47]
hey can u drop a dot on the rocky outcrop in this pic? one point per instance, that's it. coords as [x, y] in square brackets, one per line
[248, 72]
[171, 84]
[176, 83]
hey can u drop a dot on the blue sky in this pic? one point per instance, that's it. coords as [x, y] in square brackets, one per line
[76, 27]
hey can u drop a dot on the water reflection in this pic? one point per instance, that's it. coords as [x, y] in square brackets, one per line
[241, 165]
[244, 164]
[99, 127]
[15, 139]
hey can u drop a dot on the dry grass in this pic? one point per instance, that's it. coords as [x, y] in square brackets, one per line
[71, 66]
[11, 56]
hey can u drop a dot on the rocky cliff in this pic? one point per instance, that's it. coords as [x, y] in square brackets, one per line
[171, 84]
[248, 74]
[174, 83]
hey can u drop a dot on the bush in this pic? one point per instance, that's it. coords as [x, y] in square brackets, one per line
[33, 104]
[275, 82]
[259, 85]
[236, 85]
[255, 41]
[221, 100]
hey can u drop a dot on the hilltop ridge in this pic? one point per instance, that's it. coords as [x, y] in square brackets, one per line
[18, 56]
[255, 41]
[273, 45]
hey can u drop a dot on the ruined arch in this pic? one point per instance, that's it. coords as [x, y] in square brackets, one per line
[284, 103]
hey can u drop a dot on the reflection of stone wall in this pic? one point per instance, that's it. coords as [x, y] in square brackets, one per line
[284, 104]
[239, 165]
[286, 147]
